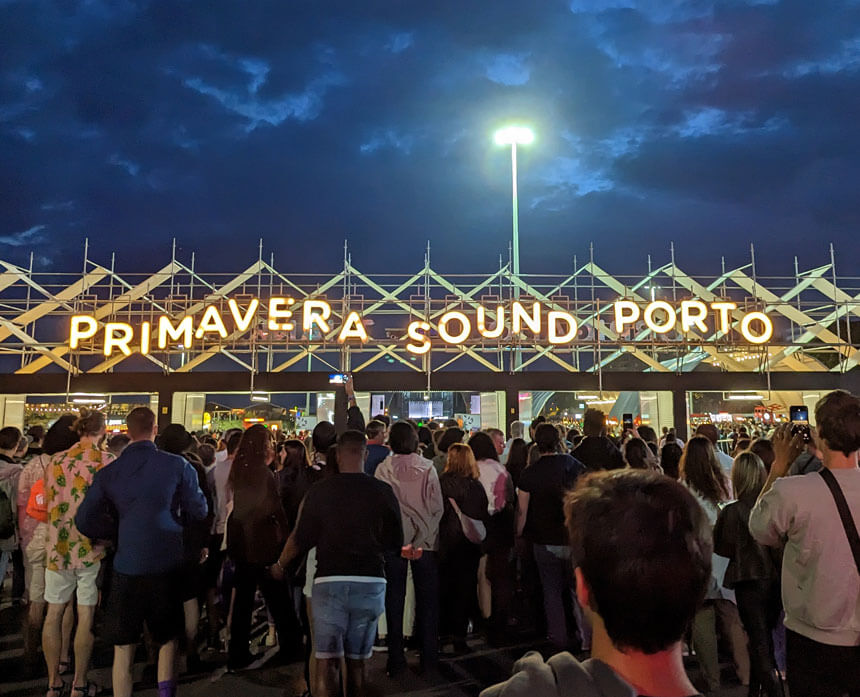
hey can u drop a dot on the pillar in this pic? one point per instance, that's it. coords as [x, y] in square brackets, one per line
[679, 413]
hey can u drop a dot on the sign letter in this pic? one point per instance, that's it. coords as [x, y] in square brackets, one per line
[211, 322]
[572, 327]
[465, 324]
[83, 327]
[121, 342]
[182, 330]
[520, 315]
[278, 315]
[693, 313]
[723, 309]
[417, 332]
[626, 312]
[482, 322]
[316, 312]
[242, 323]
[767, 324]
[353, 328]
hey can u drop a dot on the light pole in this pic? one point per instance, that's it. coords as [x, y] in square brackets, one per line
[513, 136]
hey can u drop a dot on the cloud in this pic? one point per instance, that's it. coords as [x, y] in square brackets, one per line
[24, 238]
[133, 168]
[507, 69]
[400, 41]
[387, 139]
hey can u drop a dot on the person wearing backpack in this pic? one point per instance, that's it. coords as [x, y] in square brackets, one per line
[10, 470]
[816, 516]
[33, 531]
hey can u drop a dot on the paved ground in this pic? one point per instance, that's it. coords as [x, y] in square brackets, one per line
[461, 677]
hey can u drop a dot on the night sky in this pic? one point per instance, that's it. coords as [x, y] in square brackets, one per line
[710, 124]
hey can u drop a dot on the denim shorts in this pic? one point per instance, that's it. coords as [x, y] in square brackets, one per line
[345, 613]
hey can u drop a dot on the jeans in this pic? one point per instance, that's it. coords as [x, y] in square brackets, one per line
[821, 670]
[556, 577]
[4, 562]
[759, 606]
[425, 576]
[705, 640]
[277, 596]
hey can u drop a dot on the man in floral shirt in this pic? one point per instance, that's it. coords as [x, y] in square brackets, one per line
[72, 560]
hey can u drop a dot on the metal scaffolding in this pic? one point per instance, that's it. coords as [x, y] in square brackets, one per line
[812, 311]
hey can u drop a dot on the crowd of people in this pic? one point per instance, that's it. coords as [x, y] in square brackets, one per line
[633, 549]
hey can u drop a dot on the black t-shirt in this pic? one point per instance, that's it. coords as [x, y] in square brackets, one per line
[351, 519]
[546, 481]
[472, 500]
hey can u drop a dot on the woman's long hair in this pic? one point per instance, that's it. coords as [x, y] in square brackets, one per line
[296, 457]
[701, 471]
[748, 475]
[460, 461]
[254, 452]
[61, 436]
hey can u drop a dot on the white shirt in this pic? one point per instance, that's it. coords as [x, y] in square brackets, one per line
[218, 475]
[820, 583]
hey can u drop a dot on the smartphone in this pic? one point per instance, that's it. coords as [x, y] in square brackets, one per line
[799, 417]
[627, 421]
[338, 378]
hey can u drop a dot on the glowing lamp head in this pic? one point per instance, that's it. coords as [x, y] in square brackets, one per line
[514, 135]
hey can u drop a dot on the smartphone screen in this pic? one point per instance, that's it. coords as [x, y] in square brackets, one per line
[627, 421]
[799, 414]
[337, 379]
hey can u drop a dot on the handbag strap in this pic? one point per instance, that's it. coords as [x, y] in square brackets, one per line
[844, 514]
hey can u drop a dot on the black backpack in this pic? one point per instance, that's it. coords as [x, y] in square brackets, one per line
[7, 514]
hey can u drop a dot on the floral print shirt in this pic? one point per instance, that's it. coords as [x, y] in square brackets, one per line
[67, 479]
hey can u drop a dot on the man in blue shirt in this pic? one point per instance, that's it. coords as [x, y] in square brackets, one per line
[146, 495]
[377, 451]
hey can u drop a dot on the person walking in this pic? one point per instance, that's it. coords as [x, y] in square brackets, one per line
[751, 574]
[256, 533]
[416, 487]
[140, 501]
[817, 514]
[72, 559]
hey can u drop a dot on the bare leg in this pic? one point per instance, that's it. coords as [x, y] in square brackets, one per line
[68, 626]
[51, 641]
[356, 677]
[328, 682]
[213, 613]
[167, 661]
[313, 664]
[123, 658]
[83, 643]
[191, 608]
[35, 618]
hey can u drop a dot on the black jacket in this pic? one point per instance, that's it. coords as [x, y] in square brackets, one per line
[748, 560]
[599, 453]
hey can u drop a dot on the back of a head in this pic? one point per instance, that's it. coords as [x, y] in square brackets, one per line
[141, 423]
[296, 454]
[117, 443]
[518, 428]
[351, 448]
[643, 545]
[451, 423]
[174, 439]
[252, 454]
[701, 471]
[324, 436]
[61, 436]
[648, 434]
[403, 438]
[37, 433]
[483, 448]
[374, 429]
[425, 435]
[547, 438]
[764, 449]
[10, 437]
[449, 437]
[837, 417]
[637, 454]
[748, 475]
[206, 453]
[670, 459]
[518, 455]
[384, 418]
[709, 431]
[461, 461]
[593, 423]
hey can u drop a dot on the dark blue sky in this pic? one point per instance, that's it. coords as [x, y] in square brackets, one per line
[710, 123]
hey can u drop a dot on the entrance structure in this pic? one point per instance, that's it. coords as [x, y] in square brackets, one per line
[179, 330]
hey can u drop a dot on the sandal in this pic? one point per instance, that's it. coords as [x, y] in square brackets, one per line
[88, 690]
[56, 690]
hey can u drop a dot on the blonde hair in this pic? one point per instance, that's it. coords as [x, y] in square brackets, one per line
[748, 475]
[461, 461]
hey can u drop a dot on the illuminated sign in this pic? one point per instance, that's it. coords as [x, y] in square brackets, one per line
[505, 323]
